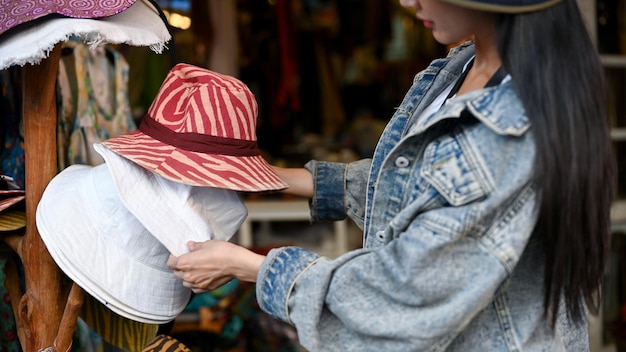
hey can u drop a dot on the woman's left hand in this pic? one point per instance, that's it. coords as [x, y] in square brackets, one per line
[213, 263]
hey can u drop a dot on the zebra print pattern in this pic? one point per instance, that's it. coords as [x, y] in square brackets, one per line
[164, 343]
[195, 102]
[126, 334]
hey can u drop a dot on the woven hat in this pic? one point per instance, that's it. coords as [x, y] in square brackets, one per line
[12, 210]
[98, 243]
[505, 6]
[173, 212]
[200, 130]
[16, 12]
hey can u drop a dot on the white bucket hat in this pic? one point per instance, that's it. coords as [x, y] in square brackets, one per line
[99, 244]
[173, 212]
[102, 247]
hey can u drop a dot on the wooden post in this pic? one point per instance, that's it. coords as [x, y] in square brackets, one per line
[40, 309]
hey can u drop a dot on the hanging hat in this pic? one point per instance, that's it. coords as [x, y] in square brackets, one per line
[12, 220]
[16, 12]
[137, 23]
[201, 131]
[12, 210]
[98, 243]
[173, 212]
[9, 198]
[505, 6]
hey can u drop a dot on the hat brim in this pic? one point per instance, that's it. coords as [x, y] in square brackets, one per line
[102, 247]
[12, 220]
[10, 198]
[139, 25]
[498, 7]
[247, 173]
[173, 212]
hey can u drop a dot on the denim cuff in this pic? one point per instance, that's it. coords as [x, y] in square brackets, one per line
[277, 277]
[328, 201]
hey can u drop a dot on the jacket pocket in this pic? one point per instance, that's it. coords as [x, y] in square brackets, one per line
[453, 173]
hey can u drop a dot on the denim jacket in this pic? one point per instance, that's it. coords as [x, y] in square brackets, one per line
[447, 206]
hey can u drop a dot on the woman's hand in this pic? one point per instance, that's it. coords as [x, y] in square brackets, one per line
[213, 263]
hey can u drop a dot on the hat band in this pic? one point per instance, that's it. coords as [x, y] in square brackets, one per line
[196, 142]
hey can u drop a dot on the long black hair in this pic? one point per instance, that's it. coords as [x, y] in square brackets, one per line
[559, 78]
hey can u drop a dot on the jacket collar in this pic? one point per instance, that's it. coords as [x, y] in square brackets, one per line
[487, 104]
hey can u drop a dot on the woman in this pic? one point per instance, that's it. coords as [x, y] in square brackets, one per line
[485, 207]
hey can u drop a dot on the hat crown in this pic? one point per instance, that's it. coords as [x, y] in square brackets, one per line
[195, 100]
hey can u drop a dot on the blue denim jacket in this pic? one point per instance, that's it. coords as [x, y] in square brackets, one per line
[447, 206]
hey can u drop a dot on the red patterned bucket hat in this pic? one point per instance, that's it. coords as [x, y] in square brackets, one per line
[201, 131]
[16, 12]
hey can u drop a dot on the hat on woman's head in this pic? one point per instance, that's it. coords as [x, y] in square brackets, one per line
[505, 6]
[16, 12]
[201, 131]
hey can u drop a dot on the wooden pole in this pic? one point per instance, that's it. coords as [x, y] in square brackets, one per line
[41, 307]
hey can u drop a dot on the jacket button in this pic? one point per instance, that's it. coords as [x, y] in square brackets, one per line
[380, 235]
[402, 161]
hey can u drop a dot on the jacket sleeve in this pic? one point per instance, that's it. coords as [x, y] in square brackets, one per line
[339, 190]
[414, 294]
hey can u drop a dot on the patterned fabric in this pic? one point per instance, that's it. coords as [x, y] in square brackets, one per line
[16, 12]
[106, 326]
[12, 148]
[164, 343]
[201, 131]
[12, 165]
[95, 105]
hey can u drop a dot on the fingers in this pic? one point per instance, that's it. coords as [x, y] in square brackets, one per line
[206, 284]
[172, 262]
[203, 268]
